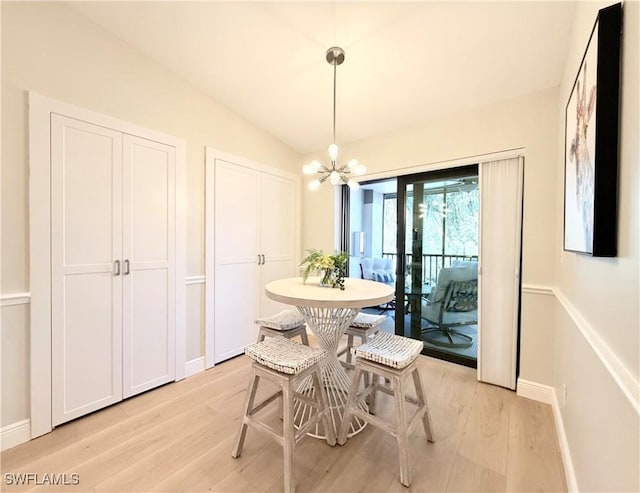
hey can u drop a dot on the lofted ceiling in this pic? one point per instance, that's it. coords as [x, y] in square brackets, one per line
[406, 63]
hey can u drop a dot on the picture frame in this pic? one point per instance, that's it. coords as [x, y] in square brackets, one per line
[591, 142]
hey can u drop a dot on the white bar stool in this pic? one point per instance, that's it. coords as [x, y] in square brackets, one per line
[285, 363]
[287, 323]
[393, 357]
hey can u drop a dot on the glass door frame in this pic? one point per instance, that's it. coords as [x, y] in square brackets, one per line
[401, 305]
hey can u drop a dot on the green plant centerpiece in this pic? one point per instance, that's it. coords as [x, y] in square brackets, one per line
[331, 267]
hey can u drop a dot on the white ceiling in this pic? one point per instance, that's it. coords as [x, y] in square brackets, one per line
[406, 63]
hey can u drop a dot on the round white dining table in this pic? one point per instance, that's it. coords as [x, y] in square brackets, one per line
[328, 312]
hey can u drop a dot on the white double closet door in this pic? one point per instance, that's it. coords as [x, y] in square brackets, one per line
[255, 224]
[113, 266]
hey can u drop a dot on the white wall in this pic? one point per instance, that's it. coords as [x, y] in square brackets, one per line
[603, 295]
[529, 122]
[51, 49]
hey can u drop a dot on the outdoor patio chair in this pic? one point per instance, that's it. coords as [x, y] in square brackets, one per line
[452, 303]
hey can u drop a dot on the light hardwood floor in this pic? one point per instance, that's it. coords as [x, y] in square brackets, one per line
[179, 438]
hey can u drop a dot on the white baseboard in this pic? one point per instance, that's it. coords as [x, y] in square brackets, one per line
[547, 395]
[563, 443]
[15, 434]
[194, 366]
[535, 391]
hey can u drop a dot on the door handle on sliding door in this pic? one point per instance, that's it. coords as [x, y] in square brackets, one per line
[264, 260]
[126, 267]
[116, 268]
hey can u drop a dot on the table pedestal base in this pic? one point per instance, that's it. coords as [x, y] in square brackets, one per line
[328, 325]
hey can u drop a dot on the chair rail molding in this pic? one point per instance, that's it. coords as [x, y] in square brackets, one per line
[199, 279]
[15, 299]
[628, 384]
[538, 289]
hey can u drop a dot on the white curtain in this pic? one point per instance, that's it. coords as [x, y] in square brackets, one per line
[501, 185]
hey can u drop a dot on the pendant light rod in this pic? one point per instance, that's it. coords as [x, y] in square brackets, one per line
[334, 102]
[335, 57]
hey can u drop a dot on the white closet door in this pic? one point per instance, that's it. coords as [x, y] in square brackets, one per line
[278, 235]
[500, 251]
[148, 264]
[86, 289]
[237, 249]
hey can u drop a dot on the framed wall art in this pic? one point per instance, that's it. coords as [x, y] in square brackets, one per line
[591, 143]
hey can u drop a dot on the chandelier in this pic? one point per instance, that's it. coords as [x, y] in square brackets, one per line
[336, 174]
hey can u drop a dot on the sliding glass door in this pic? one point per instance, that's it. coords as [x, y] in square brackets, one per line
[437, 262]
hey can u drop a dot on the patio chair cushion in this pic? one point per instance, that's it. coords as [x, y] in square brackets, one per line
[285, 320]
[463, 296]
[281, 354]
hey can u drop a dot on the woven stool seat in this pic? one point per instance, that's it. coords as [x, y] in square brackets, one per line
[287, 323]
[285, 320]
[284, 356]
[389, 350]
[367, 321]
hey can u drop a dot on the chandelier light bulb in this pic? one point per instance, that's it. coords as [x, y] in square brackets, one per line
[313, 185]
[352, 163]
[333, 152]
[353, 185]
[316, 165]
[334, 178]
[308, 169]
